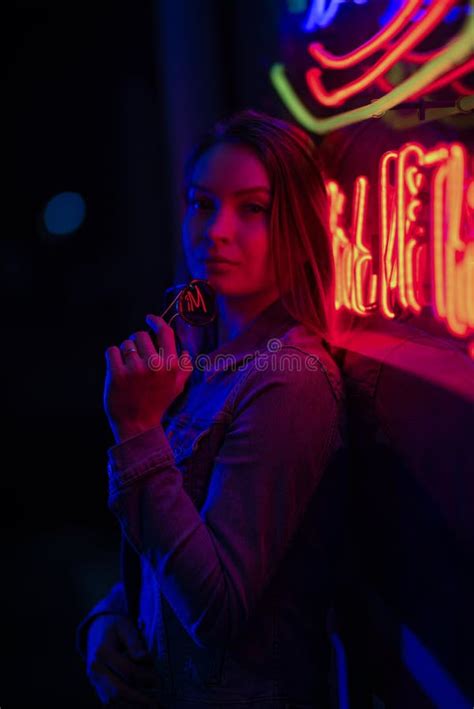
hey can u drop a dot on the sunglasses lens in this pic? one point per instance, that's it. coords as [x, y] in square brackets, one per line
[197, 303]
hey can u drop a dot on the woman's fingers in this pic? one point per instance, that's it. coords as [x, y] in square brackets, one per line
[130, 354]
[144, 344]
[140, 346]
[114, 359]
[164, 335]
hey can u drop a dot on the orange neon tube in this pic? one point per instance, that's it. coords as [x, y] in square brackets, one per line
[410, 39]
[387, 233]
[379, 41]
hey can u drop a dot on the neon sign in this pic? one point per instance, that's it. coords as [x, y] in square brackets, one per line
[452, 15]
[322, 13]
[397, 40]
[425, 253]
[412, 37]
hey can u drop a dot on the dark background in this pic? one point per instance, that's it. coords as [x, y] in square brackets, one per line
[104, 99]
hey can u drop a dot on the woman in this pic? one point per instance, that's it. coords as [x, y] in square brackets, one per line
[227, 474]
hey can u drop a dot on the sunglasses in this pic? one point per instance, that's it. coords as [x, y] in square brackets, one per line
[195, 302]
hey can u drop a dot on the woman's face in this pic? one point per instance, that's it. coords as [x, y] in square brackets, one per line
[227, 216]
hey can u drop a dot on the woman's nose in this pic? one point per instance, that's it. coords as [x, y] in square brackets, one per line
[220, 225]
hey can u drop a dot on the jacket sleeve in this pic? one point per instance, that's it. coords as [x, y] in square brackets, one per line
[212, 565]
[114, 603]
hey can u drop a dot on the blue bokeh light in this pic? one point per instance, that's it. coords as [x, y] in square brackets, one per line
[64, 213]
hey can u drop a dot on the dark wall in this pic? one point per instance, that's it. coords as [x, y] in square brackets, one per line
[82, 83]
[105, 98]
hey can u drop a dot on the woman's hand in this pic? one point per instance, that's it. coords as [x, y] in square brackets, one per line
[142, 380]
[118, 664]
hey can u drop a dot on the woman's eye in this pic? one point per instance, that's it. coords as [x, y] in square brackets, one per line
[253, 208]
[200, 204]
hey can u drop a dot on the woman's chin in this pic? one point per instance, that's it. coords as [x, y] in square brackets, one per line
[220, 282]
[209, 275]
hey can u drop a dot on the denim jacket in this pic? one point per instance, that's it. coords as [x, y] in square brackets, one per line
[232, 513]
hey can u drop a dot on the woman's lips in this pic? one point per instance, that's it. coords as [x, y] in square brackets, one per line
[215, 263]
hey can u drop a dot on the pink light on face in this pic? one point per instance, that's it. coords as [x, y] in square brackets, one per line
[227, 217]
